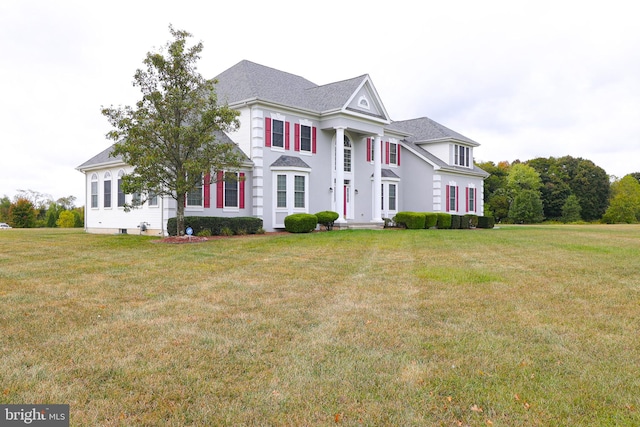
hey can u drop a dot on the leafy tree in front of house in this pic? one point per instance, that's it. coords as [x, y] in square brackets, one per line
[168, 137]
[625, 202]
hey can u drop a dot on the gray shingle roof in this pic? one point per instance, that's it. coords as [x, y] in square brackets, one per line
[247, 80]
[290, 161]
[105, 156]
[424, 129]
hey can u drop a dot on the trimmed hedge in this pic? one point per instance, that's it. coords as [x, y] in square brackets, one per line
[444, 220]
[486, 222]
[411, 220]
[300, 223]
[456, 221]
[327, 218]
[469, 221]
[215, 225]
[431, 220]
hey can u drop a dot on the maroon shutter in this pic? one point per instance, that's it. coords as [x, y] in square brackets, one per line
[313, 140]
[286, 135]
[242, 190]
[296, 141]
[447, 196]
[387, 154]
[368, 149]
[220, 189]
[467, 199]
[267, 132]
[207, 190]
[398, 153]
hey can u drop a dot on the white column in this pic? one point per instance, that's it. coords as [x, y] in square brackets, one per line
[377, 178]
[339, 190]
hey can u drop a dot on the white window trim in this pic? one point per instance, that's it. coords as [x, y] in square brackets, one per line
[282, 118]
[94, 178]
[226, 208]
[199, 207]
[385, 211]
[364, 103]
[309, 124]
[110, 179]
[290, 173]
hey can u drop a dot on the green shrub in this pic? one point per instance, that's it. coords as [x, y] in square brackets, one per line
[456, 220]
[215, 224]
[444, 220]
[327, 218]
[431, 220]
[486, 222]
[226, 231]
[410, 220]
[300, 223]
[469, 221]
[204, 233]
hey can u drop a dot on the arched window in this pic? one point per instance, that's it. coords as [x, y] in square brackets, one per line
[94, 190]
[347, 154]
[107, 190]
[120, 190]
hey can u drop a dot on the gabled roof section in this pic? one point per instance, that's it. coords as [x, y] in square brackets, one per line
[104, 158]
[424, 131]
[247, 81]
[289, 162]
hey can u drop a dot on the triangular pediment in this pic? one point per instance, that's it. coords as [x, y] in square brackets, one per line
[365, 100]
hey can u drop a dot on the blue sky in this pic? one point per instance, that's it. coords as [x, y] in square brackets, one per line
[525, 79]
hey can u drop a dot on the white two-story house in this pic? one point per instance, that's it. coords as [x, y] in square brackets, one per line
[308, 148]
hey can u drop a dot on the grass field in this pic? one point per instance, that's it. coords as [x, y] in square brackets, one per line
[517, 326]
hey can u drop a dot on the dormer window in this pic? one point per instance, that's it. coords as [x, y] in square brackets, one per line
[462, 156]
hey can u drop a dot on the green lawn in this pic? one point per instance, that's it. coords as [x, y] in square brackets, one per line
[516, 326]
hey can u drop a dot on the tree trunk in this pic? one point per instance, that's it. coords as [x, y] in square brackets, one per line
[180, 215]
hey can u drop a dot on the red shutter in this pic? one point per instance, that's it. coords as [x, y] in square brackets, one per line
[296, 141]
[207, 190]
[467, 199]
[220, 189]
[368, 149]
[267, 132]
[242, 190]
[398, 153]
[387, 155]
[286, 135]
[313, 140]
[447, 196]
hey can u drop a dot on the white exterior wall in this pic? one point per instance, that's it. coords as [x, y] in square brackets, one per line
[115, 219]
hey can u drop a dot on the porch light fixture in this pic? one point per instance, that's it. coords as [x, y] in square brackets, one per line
[331, 189]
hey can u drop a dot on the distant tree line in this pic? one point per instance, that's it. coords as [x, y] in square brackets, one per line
[30, 209]
[565, 189]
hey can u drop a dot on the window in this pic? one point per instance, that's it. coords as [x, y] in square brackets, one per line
[471, 199]
[231, 190]
[347, 155]
[277, 129]
[461, 156]
[107, 190]
[153, 198]
[305, 138]
[94, 190]
[120, 191]
[194, 197]
[393, 154]
[392, 197]
[299, 193]
[452, 198]
[282, 191]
